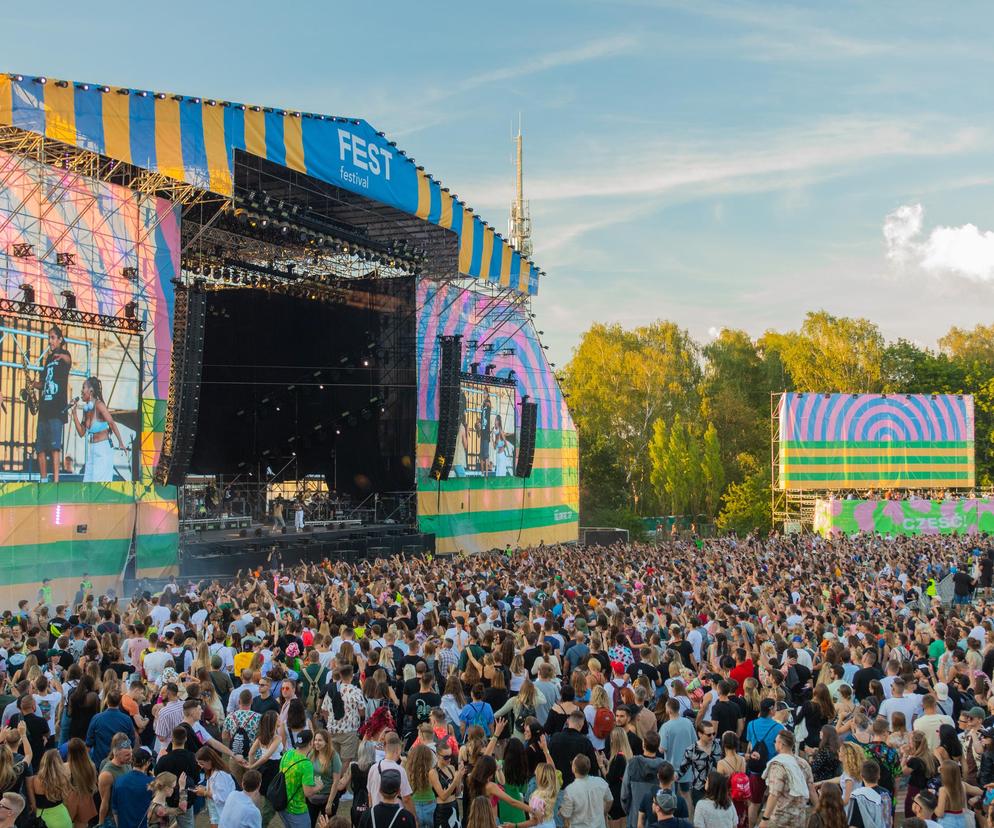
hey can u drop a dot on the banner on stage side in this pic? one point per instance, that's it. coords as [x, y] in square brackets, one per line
[966, 516]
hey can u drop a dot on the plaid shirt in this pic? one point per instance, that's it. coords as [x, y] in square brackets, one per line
[448, 660]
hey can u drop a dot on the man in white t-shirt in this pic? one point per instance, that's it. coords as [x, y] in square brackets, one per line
[390, 761]
[930, 720]
[160, 614]
[910, 705]
[49, 702]
[459, 636]
[155, 662]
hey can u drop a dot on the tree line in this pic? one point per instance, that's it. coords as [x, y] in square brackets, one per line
[669, 426]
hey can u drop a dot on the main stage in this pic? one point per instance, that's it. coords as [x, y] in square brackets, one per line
[280, 302]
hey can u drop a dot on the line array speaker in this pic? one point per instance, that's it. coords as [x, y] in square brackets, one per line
[448, 406]
[526, 439]
[190, 314]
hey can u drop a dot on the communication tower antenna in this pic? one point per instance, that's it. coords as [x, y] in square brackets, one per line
[520, 226]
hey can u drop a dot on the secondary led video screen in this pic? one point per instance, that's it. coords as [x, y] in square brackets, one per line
[485, 445]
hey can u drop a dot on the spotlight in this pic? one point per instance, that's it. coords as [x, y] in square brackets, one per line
[68, 300]
[29, 294]
[474, 367]
[130, 273]
[490, 369]
[131, 310]
[65, 259]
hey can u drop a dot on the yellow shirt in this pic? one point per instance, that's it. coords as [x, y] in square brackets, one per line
[242, 661]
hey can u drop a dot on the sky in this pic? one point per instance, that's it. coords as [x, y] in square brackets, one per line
[718, 164]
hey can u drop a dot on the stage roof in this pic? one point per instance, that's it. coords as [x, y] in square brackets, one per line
[194, 140]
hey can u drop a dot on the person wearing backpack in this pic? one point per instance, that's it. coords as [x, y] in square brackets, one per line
[600, 717]
[618, 683]
[313, 682]
[294, 782]
[640, 776]
[733, 766]
[761, 735]
[389, 812]
[870, 805]
[240, 727]
[477, 712]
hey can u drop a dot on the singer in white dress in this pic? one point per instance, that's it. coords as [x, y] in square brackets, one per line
[97, 424]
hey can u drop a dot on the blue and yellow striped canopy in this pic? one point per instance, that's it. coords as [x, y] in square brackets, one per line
[194, 140]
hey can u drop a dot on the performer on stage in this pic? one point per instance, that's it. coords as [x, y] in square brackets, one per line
[298, 514]
[52, 407]
[98, 423]
[500, 449]
[484, 429]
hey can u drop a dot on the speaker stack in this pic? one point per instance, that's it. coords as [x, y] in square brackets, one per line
[448, 406]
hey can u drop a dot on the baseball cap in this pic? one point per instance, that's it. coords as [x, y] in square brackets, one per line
[390, 782]
[618, 666]
[976, 713]
[942, 691]
[666, 802]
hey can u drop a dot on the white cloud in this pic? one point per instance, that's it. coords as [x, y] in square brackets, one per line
[714, 332]
[964, 251]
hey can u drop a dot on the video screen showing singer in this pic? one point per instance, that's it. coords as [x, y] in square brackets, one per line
[52, 405]
[97, 425]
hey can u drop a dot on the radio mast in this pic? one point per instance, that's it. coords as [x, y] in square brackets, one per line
[520, 225]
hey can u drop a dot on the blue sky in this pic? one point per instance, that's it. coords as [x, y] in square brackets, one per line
[717, 164]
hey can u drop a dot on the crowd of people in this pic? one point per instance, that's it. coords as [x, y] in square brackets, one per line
[773, 682]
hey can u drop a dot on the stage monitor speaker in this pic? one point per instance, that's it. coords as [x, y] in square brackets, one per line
[526, 439]
[189, 315]
[448, 406]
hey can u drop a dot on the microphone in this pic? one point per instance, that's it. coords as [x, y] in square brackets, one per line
[72, 403]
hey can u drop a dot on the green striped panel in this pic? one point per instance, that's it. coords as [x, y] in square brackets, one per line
[901, 460]
[508, 520]
[539, 479]
[888, 444]
[50, 494]
[877, 475]
[28, 564]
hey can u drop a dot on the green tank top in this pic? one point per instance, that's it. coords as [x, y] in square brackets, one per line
[508, 813]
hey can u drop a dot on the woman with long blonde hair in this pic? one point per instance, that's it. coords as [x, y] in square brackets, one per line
[520, 707]
[619, 754]
[82, 783]
[954, 794]
[851, 756]
[919, 765]
[598, 700]
[202, 658]
[543, 800]
[50, 787]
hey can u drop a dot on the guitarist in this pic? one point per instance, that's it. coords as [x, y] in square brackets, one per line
[53, 403]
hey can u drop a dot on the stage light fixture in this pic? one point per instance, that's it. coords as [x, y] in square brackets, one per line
[22, 250]
[131, 310]
[42, 81]
[65, 259]
[28, 294]
[130, 272]
[489, 370]
[68, 300]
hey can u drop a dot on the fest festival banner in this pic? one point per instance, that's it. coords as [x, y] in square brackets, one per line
[969, 516]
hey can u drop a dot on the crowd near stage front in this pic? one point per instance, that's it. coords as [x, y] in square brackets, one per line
[221, 553]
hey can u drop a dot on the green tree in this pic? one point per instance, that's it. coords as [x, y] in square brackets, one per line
[659, 457]
[620, 382]
[735, 396]
[831, 353]
[969, 346]
[746, 505]
[712, 471]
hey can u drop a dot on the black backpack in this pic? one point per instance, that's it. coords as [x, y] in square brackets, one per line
[240, 743]
[525, 712]
[276, 793]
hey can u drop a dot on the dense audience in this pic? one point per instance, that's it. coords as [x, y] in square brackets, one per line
[774, 682]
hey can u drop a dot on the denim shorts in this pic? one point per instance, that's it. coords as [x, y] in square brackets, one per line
[49, 435]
